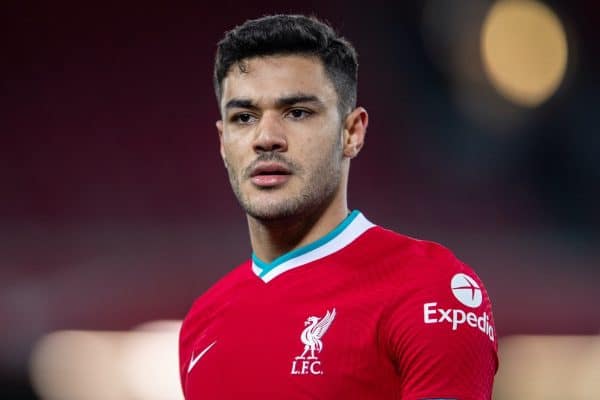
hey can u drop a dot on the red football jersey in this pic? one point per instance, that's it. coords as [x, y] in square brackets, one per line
[362, 313]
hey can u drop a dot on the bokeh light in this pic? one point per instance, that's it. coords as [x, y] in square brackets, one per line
[524, 50]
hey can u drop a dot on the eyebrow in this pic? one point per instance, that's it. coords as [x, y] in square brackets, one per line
[298, 98]
[285, 101]
[239, 103]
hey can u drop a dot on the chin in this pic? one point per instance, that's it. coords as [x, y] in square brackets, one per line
[274, 209]
[271, 213]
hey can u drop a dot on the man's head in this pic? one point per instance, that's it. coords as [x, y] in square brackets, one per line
[285, 141]
[286, 35]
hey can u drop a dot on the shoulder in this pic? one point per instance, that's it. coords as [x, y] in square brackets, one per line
[412, 257]
[427, 271]
[214, 301]
[222, 290]
[438, 321]
[208, 307]
[407, 266]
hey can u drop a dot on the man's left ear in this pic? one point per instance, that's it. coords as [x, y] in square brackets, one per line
[355, 129]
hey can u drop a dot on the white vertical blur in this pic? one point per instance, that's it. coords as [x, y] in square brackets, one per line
[150, 363]
[86, 365]
[548, 367]
[77, 365]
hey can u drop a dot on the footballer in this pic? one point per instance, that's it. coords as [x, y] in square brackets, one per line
[330, 305]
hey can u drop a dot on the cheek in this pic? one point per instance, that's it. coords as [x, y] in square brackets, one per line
[235, 156]
[230, 161]
[230, 149]
[321, 157]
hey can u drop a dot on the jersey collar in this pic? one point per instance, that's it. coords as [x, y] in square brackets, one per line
[354, 225]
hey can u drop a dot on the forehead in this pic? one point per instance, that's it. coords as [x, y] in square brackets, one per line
[270, 77]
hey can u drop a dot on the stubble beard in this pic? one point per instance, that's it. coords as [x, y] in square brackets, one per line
[319, 187]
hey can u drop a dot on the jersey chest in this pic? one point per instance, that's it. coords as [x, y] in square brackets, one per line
[291, 336]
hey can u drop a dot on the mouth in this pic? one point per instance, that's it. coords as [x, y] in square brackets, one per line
[270, 174]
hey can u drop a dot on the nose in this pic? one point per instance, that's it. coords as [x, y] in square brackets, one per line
[270, 134]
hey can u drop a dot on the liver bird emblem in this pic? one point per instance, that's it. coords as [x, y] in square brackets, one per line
[312, 334]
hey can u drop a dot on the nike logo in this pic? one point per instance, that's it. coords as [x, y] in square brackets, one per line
[195, 360]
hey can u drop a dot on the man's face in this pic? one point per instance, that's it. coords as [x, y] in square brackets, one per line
[281, 136]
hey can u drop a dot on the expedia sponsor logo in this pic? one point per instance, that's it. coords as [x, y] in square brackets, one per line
[467, 292]
[456, 317]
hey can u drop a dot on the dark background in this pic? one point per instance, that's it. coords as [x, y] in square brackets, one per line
[115, 208]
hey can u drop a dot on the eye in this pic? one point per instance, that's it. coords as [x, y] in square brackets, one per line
[243, 118]
[299, 113]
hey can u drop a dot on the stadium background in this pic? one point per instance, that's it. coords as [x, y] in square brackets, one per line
[116, 210]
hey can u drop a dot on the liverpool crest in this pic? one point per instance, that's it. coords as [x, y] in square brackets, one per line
[308, 362]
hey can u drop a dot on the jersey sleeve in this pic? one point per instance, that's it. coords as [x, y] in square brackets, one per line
[441, 335]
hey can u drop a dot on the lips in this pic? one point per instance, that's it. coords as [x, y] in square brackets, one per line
[270, 174]
[269, 168]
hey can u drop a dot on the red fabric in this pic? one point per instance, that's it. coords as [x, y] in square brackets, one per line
[383, 287]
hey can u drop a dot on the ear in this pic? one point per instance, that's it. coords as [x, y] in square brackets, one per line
[355, 129]
[219, 125]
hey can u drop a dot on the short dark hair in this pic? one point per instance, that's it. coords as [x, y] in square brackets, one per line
[291, 34]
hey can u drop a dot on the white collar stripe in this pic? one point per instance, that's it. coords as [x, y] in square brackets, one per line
[357, 227]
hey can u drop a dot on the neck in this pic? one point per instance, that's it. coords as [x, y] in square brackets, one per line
[271, 239]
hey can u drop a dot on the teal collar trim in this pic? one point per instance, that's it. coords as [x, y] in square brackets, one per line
[348, 230]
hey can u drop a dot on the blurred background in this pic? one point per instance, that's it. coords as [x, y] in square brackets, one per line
[116, 212]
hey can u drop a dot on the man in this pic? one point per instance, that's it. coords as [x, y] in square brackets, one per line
[330, 306]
